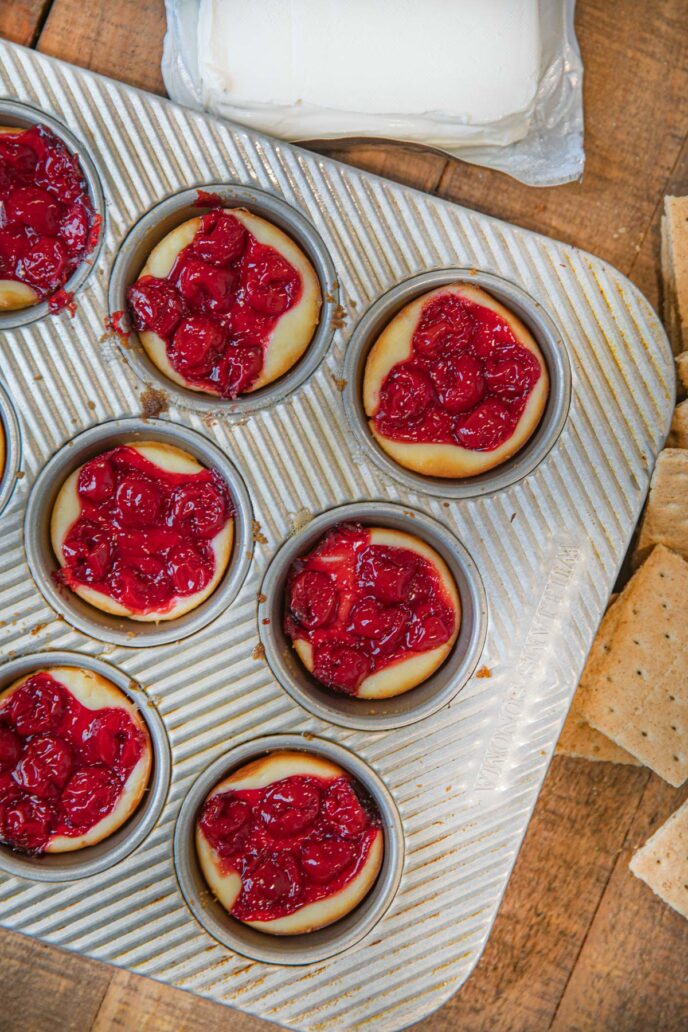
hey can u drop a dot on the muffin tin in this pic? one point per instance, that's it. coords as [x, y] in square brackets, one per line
[544, 537]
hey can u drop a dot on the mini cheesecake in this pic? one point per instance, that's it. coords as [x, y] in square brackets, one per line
[226, 303]
[371, 612]
[289, 843]
[49, 225]
[75, 760]
[455, 385]
[143, 531]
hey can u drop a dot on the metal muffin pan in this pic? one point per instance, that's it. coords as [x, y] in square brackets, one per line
[375, 714]
[9, 424]
[43, 563]
[545, 331]
[82, 863]
[465, 778]
[313, 947]
[160, 221]
[12, 113]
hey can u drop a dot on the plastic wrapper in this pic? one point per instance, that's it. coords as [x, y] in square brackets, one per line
[540, 143]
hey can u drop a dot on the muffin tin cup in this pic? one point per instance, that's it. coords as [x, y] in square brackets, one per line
[82, 863]
[12, 113]
[417, 703]
[312, 947]
[163, 218]
[10, 428]
[43, 564]
[549, 340]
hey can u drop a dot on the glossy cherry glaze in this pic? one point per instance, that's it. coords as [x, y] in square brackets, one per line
[294, 842]
[218, 306]
[466, 382]
[364, 606]
[48, 225]
[63, 767]
[144, 535]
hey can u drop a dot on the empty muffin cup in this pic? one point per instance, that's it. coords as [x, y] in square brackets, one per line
[82, 863]
[9, 424]
[551, 345]
[413, 705]
[44, 565]
[161, 220]
[23, 116]
[311, 947]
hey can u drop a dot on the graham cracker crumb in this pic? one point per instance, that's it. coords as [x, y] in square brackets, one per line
[258, 652]
[258, 535]
[483, 672]
[154, 402]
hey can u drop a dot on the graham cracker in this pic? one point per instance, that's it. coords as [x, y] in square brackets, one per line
[678, 435]
[665, 520]
[682, 372]
[577, 738]
[639, 696]
[675, 269]
[662, 863]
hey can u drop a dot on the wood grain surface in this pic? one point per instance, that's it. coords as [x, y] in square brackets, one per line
[579, 945]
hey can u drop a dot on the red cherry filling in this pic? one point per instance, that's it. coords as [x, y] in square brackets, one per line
[63, 766]
[144, 535]
[363, 606]
[48, 220]
[314, 600]
[294, 842]
[466, 382]
[218, 307]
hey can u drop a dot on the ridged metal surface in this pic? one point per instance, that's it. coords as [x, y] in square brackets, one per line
[548, 549]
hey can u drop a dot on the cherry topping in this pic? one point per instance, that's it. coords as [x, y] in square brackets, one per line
[90, 792]
[293, 842]
[155, 305]
[138, 500]
[34, 208]
[290, 806]
[466, 381]
[226, 822]
[379, 572]
[362, 606]
[323, 861]
[218, 306]
[26, 823]
[10, 749]
[313, 599]
[48, 221]
[486, 427]
[62, 765]
[459, 382]
[220, 241]
[45, 766]
[405, 395]
[196, 343]
[269, 283]
[143, 534]
[273, 879]
[340, 666]
[96, 480]
[344, 811]
[36, 707]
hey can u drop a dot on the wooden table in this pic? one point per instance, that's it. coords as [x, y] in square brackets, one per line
[579, 944]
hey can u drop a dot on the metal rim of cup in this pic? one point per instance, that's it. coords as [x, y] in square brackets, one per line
[311, 947]
[82, 863]
[43, 564]
[416, 704]
[10, 428]
[549, 339]
[171, 212]
[13, 112]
